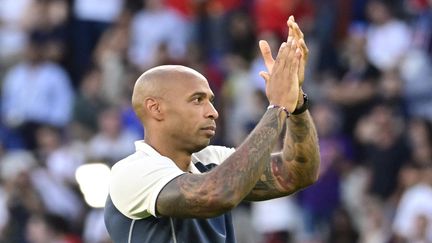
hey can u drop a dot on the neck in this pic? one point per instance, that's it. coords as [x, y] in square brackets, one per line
[180, 157]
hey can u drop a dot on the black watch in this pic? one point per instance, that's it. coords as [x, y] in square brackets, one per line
[304, 106]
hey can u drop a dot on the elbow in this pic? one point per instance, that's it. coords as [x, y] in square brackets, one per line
[311, 177]
[305, 182]
[310, 181]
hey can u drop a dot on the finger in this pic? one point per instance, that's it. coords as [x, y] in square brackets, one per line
[297, 31]
[292, 48]
[281, 56]
[265, 76]
[266, 54]
[293, 78]
[304, 49]
[300, 38]
[298, 53]
[295, 64]
[291, 31]
[291, 18]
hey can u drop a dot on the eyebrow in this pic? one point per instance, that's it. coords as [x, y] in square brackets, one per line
[203, 94]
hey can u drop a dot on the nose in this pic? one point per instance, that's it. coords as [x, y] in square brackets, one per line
[212, 112]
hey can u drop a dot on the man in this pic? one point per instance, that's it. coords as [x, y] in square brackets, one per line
[176, 188]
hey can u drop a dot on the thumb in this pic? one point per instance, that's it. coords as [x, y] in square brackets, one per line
[265, 76]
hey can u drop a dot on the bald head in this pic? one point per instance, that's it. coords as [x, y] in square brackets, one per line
[156, 82]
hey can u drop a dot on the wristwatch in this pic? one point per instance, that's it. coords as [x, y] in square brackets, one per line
[304, 106]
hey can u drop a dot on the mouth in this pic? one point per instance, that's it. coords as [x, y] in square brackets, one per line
[211, 130]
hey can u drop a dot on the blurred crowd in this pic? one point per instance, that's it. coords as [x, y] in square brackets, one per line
[67, 69]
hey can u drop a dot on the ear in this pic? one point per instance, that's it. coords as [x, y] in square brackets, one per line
[153, 108]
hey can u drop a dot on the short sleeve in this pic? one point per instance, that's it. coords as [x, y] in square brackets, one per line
[136, 182]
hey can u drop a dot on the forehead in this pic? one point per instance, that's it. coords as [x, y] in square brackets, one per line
[185, 84]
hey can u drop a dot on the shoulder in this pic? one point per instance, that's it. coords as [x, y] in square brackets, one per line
[213, 154]
[139, 163]
[136, 181]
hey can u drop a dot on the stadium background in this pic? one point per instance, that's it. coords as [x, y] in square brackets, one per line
[67, 68]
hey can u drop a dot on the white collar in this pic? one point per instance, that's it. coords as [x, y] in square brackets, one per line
[142, 146]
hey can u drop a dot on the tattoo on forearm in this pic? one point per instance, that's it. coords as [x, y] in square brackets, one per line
[301, 139]
[296, 166]
[197, 195]
[301, 152]
[267, 186]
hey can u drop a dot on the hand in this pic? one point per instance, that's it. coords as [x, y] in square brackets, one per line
[282, 86]
[293, 32]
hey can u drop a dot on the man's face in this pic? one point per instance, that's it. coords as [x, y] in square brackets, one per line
[190, 115]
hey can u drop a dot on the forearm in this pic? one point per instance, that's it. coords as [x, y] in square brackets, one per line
[295, 167]
[300, 154]
[240, 172]
[226, 185]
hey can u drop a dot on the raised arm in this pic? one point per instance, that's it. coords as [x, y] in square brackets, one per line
[218, 191]
[297, 165]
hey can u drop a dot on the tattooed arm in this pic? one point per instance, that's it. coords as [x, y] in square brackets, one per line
[215, 192]
[295, 167]
[224, 187]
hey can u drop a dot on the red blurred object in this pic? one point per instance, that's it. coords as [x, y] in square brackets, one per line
[187, 7]
[419, 5]
[271, 15]
[71, 238]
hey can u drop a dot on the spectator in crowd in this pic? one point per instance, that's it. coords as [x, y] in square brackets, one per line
[44, 228]
[111, 142]
[355, 90]
[155, 29]
[386, 150]
[13, 35]
[342, 228]
[48, 20]
[89, 102]
[241, 111]
[36, 92]
[278, 220]
[388, 38]
[422, 36]
[241, 36]
[54, 186]
[61, 157]
[420, 138]
[416, 75]
[374, 225]
[413, 219]
[111, 55]
[20, 196]
[91, 19]
[321, 201]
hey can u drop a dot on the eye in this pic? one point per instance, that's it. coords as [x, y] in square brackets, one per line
[197, 100]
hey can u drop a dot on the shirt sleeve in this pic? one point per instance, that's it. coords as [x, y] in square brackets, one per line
[136, 183]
